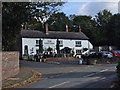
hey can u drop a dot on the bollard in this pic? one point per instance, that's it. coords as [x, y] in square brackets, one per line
[80, 61]
[40, 60]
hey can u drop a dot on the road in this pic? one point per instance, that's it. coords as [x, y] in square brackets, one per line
[72, 75]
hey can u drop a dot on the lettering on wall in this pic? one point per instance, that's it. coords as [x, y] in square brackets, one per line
[49, 42]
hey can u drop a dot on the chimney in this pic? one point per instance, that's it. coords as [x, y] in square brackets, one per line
[66, 28]
[26, 26]
[79, 28]
[46, 28]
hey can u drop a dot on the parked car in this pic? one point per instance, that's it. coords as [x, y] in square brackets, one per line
[107, 54]
[115, 53]
[89, 53]
[92, 54]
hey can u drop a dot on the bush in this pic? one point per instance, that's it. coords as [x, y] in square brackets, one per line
[85, 49]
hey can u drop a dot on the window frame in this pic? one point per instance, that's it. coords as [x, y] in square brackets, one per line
[61, 43]
[78, 44]
[37, 42]
[78, 51]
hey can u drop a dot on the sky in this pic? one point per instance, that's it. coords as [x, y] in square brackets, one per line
[89, 7]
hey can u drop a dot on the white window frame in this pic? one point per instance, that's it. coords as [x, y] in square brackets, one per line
[61, 44]
[78, 44]
[37, 42]
[78, 51]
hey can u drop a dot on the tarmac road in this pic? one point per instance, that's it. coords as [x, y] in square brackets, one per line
[72, 75]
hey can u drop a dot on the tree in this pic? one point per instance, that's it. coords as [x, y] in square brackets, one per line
[33, 24]
[85, 22]
[58, 22]
[87, 25]
[58, 46]
[49, 49]
[40, 46]
[43, 10]
[13, 15]
[114, 30]
[102, 24]
[102, 19]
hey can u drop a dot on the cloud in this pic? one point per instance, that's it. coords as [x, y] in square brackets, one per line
[71, 7]
[91, 0]
[92, 8]
[119, 7]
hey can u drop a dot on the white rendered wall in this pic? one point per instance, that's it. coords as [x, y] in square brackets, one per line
[71, 44]
[49, 43]
[31, 42]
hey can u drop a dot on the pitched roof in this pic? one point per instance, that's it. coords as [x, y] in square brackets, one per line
[53, 35]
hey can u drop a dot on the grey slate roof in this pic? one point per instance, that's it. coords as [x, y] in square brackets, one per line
[53, 35]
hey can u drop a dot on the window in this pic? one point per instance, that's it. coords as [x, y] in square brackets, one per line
[25, 49]
[78, 51]
[61, 44]
[37, 42]
[78, 44]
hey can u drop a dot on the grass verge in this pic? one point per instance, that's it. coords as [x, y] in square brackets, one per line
[25, 77]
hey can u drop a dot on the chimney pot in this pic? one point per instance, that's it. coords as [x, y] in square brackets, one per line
[46, 28]
[79, 28]
[66, 28]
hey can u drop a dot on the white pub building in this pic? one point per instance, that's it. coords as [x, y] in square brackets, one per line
[76, 41]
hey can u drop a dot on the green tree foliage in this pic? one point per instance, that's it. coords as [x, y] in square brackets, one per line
[58, 46]
[102, 20]
[114, 30]
[58, 21]
[27, 14]
[87, 25]
[13, 15]
[49, 49]
[33, 24]
[43, 10]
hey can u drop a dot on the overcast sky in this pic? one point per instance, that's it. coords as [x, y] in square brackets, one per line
[89, 7]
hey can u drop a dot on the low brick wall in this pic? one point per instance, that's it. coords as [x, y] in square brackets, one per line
[10, 64]
[60, 58]
[108, 60]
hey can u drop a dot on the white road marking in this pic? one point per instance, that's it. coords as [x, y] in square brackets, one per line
[95, 73]
[111, 86]
[90, 75]
[83, 76]
[103, 70]
[89, 66]
[103, 78]
[98, 78]
[95, 78]
[59, 84]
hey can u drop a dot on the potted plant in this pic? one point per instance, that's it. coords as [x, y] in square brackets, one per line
[25, 56]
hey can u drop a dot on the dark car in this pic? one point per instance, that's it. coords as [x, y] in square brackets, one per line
[92, 55]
